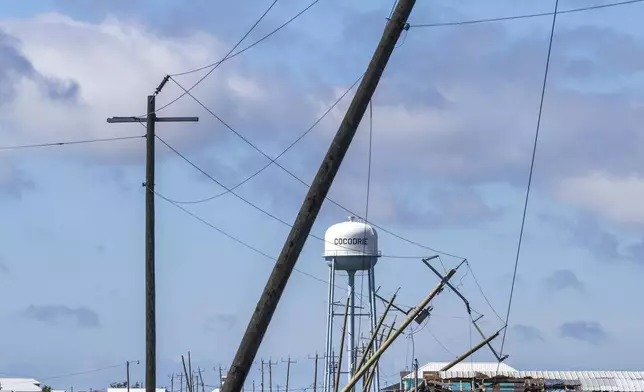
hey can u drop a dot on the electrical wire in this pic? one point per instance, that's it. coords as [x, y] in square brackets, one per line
[251, 204]
[527, 194]
[230, 128]
[231, 55]
[482, 292]
[70, 142]
[297, 140]
[222, 232]
[71, 374]
[525, 16]
[251, 45]
[442, 345]
[366, 212]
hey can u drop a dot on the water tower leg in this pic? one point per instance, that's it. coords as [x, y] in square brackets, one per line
[351, 344]
[328, 351]
[373, 316]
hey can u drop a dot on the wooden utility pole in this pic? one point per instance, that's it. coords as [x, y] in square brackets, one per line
[127, 381]
[288, 371]
[262, 384]
[310, 208]
[180, 382]
[203, 387]
[270, 375]
[150, 295]
[315, 372]
[387, 342]
[186, 374]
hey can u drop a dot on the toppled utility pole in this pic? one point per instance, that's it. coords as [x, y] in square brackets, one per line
[318, 191]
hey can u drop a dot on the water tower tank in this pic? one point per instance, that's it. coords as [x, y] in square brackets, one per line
[352, 244]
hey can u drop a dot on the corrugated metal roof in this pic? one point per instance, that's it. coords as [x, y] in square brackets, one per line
[595, 380]
[478, 367]
[591, 381]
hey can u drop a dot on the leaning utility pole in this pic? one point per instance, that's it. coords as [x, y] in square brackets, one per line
[150, 296]
[318, 191]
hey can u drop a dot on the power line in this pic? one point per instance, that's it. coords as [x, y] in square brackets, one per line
[230, 128]
[215, 65]
[231, 55]
[525, 16]
[482, 292]
[251, 45]
[255, 206]
[245, 244]
[297, 140]
[70, 142]
[527, 194]
[74, 374]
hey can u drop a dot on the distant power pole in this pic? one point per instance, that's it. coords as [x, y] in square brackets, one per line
[172, 383]
[267, 303]
[288, 371]
[315, 372]
[150, 293]
[180, 382]
[127, 371]
[262, 369]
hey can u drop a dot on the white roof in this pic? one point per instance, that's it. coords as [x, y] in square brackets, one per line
[477, 367]
[591, 381]
[20, 384]
[596, 380]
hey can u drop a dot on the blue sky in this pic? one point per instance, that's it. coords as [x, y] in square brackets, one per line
[453, 122]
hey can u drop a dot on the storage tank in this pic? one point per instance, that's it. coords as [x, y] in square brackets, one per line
[352, 244]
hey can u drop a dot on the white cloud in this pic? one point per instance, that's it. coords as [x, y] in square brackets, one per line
[617, 198]
[115, 65]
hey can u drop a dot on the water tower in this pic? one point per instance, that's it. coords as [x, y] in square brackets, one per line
[349, 247]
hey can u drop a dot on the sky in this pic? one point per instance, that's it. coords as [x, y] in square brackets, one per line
[452, 132]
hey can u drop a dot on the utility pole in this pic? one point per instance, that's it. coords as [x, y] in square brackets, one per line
[262, 384]
[221, 377]
[127, 367]
[171, 383]
[288, 371]
[180, 382]
[270, 374]
[310, 208]
[203, 387]
[150, 292]
[315, 372]
[416, 374]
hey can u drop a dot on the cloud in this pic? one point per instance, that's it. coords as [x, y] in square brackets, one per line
[588, 233]
[447, 130]
[53, 314]
[564, 279]
[614, 197]
[14, 182]
[527, 333]
[585, 331]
